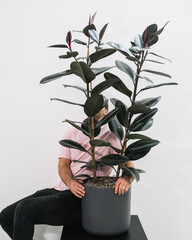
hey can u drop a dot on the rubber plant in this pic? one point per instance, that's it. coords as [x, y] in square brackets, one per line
[125, 120]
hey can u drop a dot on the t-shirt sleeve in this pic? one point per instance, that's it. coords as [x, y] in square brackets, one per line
[64, 152]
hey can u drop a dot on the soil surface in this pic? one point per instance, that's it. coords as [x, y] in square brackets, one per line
[103, 182]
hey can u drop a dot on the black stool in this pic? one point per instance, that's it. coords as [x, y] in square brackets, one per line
[76, 232]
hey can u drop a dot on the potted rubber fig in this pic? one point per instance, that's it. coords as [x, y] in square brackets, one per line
[103, 212]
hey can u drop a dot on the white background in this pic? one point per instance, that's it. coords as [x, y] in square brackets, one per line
[31, 125]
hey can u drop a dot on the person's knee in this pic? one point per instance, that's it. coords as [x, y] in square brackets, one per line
[24, 210]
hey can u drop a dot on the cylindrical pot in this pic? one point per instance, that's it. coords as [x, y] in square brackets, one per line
[105, 213]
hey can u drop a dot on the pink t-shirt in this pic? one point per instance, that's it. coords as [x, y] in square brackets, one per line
[75, 154]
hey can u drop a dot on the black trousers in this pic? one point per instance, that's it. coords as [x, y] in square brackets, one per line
[47, 206]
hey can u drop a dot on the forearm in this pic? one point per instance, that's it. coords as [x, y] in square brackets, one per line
[65, 172]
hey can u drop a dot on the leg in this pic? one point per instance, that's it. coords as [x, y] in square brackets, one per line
[58, 209]
[7, 214]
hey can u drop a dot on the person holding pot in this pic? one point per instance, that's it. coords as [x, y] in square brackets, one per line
[61, 205]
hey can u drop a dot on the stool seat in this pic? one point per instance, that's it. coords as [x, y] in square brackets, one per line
[76, 232]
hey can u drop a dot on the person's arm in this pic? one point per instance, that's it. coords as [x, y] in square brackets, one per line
[66, 176]
[123, 184]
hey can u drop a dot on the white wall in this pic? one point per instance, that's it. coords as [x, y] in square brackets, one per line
[31, 125]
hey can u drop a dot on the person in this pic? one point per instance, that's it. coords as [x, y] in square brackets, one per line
[61, 205]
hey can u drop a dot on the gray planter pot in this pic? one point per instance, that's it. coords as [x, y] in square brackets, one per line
[105, 213]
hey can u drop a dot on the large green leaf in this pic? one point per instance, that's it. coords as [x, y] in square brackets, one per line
[116, 128]
[149, 33]
[108, 116]
[72, 144]
[158, 73]
[85, 126]
[100, 70]
[123, 114]
[101, 143]
[131, 171]
[93, 105]
[133, 156]
[78, 127]
[139, 108]
[94, 57]
[82, 70]
[150, 102]
[55, 76]
[138, 136]
[156, 86]
[113, 160]
[65, 101]
[120, 86]
[145, 116]
[104, 85]
[142, 145]
[126, 68]
[140, 148]
[79, 42]
[141, 126]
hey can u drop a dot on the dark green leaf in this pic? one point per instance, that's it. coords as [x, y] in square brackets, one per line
[150, 102]
[145, 116]
[59, 46]
[103, 86]
[133, 156]
[102, 32]
[138, 136]
[100, 70]
[93, 105]
[109, 116]
[142, 145]
[88, 27]
[82, 70]
[125, 68]
[158, 85]
[141, 126]
[68, 39]
[131, 171]
[78, 127]
[72, 144]
[101, 143]
[139, 108]
[87, 122]
[116, 128]
[120, 86]
[149, 33]
[69, 55]
[140, 171]
[79, 42]
[113, 160]
[158, 73]
[123, 114]
[155, 40]
[65, 101]
[101, 54]
[55, 76]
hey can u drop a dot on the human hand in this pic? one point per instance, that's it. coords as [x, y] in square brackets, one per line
[122, 185]
[76, 187]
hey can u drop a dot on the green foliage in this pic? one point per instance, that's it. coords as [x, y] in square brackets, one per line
[125, 121]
